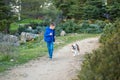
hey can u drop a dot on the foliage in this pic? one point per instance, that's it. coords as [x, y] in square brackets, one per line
[109, 31]
[113, 10]
[36, 28]
[5, 16]
[22, 26]
[3, 25]
[70, 8]
[103, 64]
[90, 28]
[70, 26]
[89, 9]
[38, 9]
[92, 10]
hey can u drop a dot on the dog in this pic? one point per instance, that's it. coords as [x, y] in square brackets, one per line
[75, 49]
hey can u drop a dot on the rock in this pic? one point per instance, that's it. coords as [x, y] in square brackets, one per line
[11, 39]
[63, 33]
[11, 60]
[23, 37]
[1, 37]
[27, 36]
[29, 29]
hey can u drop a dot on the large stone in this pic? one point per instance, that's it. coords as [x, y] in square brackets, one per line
[23, 37]
[1, 37]
[63, 33]
[27, 36]
[11, 39]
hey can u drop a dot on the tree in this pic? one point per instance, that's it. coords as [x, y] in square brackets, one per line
[38, 8]
[89, 9]
[16, 8]
[5, 16]
[69, 7]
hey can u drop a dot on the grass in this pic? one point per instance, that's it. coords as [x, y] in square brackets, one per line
[30, 20]
[35, 49]
[14, 26]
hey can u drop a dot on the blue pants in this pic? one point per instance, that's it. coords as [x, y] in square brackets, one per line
[50, 49]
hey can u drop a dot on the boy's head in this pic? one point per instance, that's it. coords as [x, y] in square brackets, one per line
[52, 26]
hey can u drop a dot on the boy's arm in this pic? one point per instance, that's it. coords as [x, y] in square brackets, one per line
[47, 33]
[54, 35]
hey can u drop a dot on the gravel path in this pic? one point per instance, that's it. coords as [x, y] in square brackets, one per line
[63, 66]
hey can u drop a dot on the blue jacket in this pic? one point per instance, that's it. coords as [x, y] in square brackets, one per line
[47, 36]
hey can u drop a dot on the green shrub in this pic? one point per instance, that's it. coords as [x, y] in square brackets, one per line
[109, 30]
[103, 64]
[21, 29]
[3, 24]
[86, 27]
[101, 23]
[70, 26]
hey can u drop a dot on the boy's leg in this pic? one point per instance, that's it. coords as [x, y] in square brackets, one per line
[51, 49]
[48, 46]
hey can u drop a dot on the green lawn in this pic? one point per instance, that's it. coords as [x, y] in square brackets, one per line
[34, 49]
[29, 21]
[15, 25]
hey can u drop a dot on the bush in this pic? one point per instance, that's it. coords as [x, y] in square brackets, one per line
[102, 24]
[86, 27]
[3, 25]
[70, 26]
[103, 64]
[36, 28]
[109, 30]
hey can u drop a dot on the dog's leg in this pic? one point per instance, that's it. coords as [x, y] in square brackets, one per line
[78, 52]
[74, 53]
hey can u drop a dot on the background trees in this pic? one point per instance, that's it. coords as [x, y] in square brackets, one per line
[89, 9]
[57, 10]
[38, 9]
[5, 16]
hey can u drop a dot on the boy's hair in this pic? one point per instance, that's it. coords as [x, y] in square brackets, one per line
[53, 24]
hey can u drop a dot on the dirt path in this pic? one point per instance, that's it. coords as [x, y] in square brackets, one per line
[63, 67]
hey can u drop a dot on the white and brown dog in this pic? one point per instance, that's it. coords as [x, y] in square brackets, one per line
[75, 49]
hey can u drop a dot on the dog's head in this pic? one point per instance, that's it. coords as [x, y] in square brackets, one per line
[75, 46]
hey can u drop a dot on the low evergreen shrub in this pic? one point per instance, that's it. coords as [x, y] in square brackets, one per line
[103, 64]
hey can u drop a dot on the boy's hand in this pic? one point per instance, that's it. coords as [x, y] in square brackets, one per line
[51, 34]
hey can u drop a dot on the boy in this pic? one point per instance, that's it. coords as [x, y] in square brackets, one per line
[49, 37]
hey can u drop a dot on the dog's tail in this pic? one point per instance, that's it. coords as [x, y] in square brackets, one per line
[78, 47]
